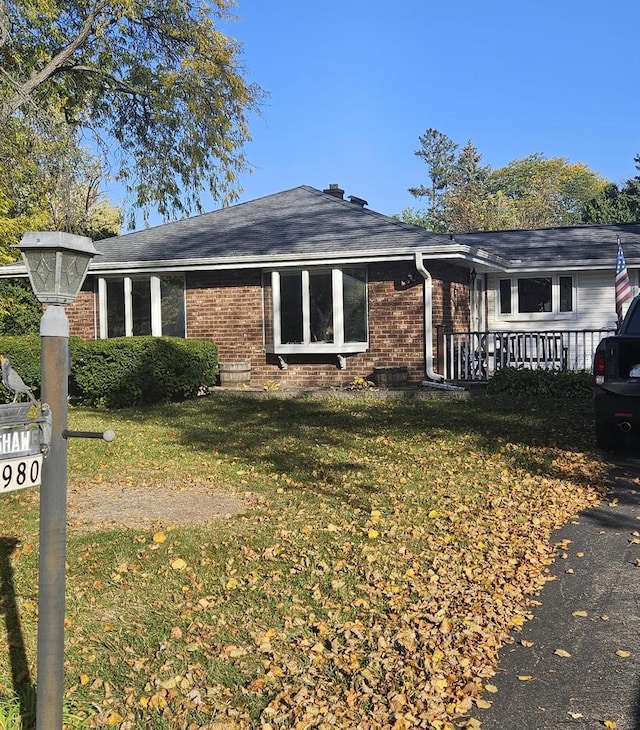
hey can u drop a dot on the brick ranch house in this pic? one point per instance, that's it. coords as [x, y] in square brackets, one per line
[310, 288]
[305, 288]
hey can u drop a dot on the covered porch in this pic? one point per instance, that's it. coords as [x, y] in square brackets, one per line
[466, 356]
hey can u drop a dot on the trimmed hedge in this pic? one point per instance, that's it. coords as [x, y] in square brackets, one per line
[540, 383]
[123, 371]
[127, 371]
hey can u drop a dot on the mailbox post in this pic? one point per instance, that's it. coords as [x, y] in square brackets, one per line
[57, 264]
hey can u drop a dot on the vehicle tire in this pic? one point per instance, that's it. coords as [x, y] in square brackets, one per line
[608, 437]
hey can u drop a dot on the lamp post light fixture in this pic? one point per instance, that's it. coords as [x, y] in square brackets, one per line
[57, 264]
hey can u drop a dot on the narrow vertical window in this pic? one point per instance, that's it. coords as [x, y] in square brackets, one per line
[566, 294]
[291, 321]
[268, 308]
[321, 306]
[172, 306]
[354, 297]
[141, 306]
[115, 308]
[505, 296]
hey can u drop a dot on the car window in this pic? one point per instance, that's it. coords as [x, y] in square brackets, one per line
[632, 325]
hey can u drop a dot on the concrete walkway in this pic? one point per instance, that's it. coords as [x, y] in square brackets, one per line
[598, 572]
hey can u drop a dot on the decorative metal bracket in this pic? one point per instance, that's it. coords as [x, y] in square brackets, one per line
[44, 424]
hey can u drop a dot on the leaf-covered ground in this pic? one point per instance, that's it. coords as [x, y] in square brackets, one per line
[392, 549]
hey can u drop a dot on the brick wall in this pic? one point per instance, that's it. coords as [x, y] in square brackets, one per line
[227, 308]
[81, 314]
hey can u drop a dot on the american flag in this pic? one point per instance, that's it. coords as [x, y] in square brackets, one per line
[623, 285]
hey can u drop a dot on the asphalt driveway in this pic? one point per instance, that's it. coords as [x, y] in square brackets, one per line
[576, 663]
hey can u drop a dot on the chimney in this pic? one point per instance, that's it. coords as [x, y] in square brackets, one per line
[335, 190]
[361, 202]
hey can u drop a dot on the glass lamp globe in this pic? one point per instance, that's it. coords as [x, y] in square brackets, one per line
[57, 264]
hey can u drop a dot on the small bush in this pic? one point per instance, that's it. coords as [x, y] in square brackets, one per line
[20, 311]
[522, 382]
[133, 370]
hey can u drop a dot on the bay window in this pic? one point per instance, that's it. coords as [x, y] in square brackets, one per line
[316, 310]
[145, 305]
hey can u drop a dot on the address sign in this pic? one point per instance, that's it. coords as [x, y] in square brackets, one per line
[20, 457]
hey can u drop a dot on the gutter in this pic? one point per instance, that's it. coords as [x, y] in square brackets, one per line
[428, 319]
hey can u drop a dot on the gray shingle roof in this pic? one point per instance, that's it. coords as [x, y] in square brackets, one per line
[302, 222]
[305, 225]
[588, 246]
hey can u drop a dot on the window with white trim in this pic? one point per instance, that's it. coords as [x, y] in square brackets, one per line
[316, 310]
[144, 305]
[536, 295]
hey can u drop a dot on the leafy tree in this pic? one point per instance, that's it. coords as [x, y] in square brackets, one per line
[439, 153]
[460, 208]
[46, 183]
[533, 192]
[614, 204]
[546, 192]
[49, 182]
[158, 86]
[455, 180]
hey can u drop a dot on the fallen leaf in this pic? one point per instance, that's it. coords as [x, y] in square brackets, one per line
[491, 688]
[159, 537]
[610, 723]
[178, 564]
[580, 613]
[562, 653]
[622, 653]
[524, 677]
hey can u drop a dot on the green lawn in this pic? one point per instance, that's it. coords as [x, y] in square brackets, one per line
[389, 550]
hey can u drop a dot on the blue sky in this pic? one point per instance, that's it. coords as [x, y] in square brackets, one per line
[353, 85]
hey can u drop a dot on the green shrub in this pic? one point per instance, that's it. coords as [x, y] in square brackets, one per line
[127, 371]
[121, 371]
[20, 311]
[522, 382]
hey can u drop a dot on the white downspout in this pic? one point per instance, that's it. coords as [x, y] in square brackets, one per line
[428, 320]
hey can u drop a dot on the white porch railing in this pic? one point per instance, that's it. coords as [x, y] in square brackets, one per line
[477, 355]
